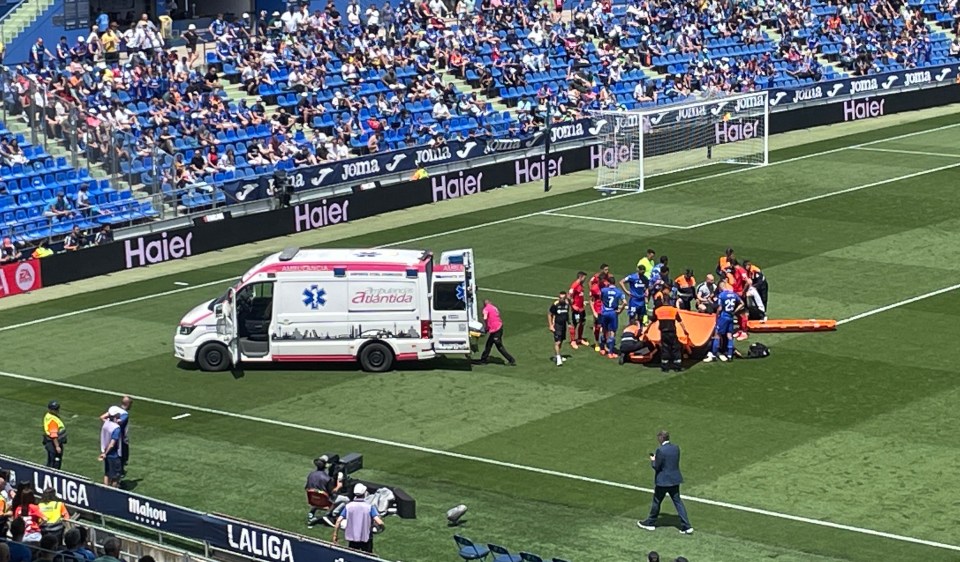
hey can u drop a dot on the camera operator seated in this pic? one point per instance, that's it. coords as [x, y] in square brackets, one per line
[322, 490]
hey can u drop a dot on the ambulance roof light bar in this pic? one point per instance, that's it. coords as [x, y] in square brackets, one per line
[288, 254]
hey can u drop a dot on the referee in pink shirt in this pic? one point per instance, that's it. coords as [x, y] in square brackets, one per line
[491, 318]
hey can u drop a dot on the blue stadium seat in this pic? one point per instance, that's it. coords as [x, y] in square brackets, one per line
[469, 550]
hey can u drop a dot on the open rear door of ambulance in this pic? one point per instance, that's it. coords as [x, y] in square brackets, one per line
[465, 257]
[453, 302]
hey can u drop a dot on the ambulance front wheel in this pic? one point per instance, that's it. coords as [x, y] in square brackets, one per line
[376, 357]
[213, 357]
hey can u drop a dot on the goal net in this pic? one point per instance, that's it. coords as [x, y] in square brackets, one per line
[635, 145]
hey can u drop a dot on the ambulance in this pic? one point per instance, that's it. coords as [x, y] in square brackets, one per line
[375, 307]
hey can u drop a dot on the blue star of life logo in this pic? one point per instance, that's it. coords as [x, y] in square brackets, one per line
[367, 254]
[462, 292]
[314, 297]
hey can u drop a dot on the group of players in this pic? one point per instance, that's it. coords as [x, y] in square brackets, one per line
[740, 295]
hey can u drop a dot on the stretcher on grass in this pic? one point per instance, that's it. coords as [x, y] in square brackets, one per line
[796, 325]
[700, 328]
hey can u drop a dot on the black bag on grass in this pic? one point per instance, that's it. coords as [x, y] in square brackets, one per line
[758, 351]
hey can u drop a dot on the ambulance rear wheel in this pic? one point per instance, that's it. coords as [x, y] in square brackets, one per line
[213, 357]
[376, 357]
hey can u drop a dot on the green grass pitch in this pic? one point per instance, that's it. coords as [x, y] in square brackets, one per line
[856, 427]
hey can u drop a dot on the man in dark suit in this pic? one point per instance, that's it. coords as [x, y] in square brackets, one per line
[666, 467]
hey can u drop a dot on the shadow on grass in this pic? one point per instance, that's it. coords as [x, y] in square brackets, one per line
[439, 363]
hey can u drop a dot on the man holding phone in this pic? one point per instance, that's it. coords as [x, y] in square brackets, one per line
[666, 466]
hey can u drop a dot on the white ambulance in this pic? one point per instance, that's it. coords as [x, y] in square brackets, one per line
[371, 306]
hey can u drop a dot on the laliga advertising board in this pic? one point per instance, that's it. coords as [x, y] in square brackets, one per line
[20, 277]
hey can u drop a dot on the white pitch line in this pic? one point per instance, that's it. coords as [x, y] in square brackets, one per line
[826, 195]
[181, 416]
[516, 218]
[604, 219]
[514, 293]
[487, 461]
[899, 304]
[911, 152]
[181, 283]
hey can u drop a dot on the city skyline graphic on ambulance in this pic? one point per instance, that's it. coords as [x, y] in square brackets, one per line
[313, 297]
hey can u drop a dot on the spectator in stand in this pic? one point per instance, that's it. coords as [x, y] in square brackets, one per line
[60, 208]
[111, 551]
[192, 40]
[19, 552]
[85, 549]
[83, 199]
[74, 239]
[39, 55]
[49, 544]
[72, 552]
[955, 47]
[111, 44]
[105, 236]
[25, 508]
[8, 251]
[4, 552]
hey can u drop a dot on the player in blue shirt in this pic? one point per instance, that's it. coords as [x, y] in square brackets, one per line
[635, 285]
[729, 305]
[655, 275]
[611, 305]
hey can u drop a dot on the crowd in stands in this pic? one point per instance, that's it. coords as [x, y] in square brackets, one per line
[35, 528]
[331, 85]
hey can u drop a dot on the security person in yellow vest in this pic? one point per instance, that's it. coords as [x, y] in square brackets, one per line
[54, 512]
[54, 435]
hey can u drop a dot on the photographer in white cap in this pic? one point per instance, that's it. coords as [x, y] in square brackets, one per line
[360, 517]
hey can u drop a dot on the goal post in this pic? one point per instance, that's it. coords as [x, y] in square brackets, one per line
[636, 145]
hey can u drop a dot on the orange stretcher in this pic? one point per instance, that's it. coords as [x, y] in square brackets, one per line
[695, 341]
[812, 325]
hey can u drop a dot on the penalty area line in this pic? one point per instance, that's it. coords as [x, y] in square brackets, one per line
[620, 221]
[488, 461]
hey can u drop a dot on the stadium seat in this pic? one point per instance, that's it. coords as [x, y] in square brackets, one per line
[469, 550]
[527, 557]
[501, 554]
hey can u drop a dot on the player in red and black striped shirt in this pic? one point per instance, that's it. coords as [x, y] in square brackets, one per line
[578, 306]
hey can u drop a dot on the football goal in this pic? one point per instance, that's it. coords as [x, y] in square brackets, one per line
[636, 145]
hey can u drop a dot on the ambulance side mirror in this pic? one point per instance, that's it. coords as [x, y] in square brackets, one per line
[218, 311]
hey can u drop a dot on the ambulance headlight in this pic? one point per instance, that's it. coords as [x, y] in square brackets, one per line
[187, 330]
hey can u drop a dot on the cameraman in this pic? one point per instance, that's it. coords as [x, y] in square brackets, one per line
[320, 481]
